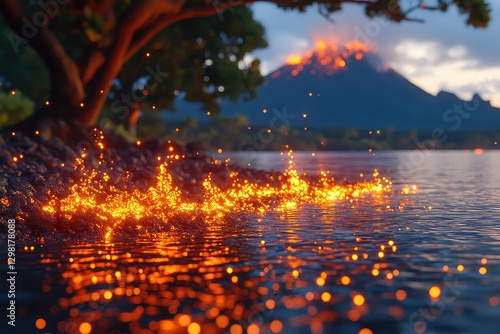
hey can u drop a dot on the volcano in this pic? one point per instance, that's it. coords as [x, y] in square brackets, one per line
[348, 87]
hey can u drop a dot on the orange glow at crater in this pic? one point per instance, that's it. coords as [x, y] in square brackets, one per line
[326, 57]
[294, 60]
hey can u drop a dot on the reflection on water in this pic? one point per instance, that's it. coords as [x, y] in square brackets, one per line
[422, 263]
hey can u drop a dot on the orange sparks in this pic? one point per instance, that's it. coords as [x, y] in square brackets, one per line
[328, 57]
[164, 200]
[294, 60]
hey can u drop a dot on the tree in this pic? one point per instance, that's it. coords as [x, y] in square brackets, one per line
[204, 61]
[13, 108]
[84, 71]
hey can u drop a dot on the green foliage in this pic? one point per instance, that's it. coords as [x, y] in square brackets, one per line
[13, 108]
[24, 71]
[477, 11]
[234, 134]
[120, 129]
[205, 59]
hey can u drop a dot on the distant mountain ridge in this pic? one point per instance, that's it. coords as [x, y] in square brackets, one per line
[348, 89]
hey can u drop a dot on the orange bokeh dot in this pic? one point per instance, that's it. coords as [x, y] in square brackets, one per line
[40, 323]
[320, 281]
[434, 292]
[222, 321]
[365, 331]
[400, 295]
[253, 329]
[270, 304]
[85, 328]
[184, 320]
[358, 300]
[194, 328]
[276, 326]
[354, 315]
[236, 329]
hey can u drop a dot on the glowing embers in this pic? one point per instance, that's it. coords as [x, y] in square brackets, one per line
[326, 58]
[99, 199]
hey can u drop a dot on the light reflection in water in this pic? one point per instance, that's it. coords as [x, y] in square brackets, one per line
[362, 267]
[213, 285]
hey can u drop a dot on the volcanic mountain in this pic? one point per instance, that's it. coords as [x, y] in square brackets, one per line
[346, 87]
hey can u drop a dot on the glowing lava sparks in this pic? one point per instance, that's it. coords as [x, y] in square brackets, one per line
[95, 195]
[103, 192]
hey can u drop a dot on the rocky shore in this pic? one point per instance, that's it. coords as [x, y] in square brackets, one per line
[33, 171]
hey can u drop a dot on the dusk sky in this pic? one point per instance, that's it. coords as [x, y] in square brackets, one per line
[441, 54]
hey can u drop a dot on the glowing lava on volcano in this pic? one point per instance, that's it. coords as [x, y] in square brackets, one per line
[325, 58]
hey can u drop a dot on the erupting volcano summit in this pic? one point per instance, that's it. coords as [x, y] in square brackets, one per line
[324, 59]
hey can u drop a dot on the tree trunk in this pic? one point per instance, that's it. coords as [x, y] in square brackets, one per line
[135, 18]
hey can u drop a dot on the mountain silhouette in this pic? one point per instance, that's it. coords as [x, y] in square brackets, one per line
[351, 90]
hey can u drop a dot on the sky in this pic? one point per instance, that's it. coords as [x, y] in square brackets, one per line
[441, 54]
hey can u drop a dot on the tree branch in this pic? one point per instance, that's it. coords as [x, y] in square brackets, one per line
[136, 17]
[164, 21]
[93, 56]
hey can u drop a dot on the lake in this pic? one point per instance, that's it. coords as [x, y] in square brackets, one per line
[406, 263]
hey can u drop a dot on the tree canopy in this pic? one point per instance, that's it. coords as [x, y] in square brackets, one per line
[159, 49]
[204, 61]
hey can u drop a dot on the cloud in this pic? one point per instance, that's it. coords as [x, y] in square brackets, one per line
[461, 77]
[428, 52]
[458, 51]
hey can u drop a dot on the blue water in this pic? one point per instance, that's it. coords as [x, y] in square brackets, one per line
[287, 272]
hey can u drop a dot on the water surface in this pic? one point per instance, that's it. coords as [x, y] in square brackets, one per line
[348, 268]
